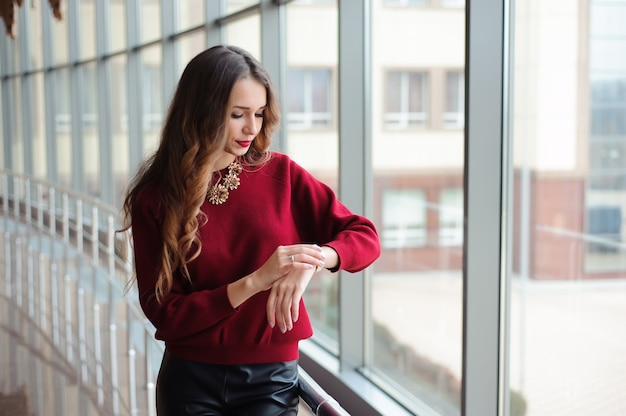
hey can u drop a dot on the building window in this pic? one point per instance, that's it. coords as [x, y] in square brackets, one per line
[404, 218]
[406, 103]
[454, 113]
[451, 217]
[309, 103]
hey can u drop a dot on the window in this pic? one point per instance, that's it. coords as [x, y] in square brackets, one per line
[404, 218]
[453, 3]
[406, 100]
[608, 128]
[567, 293]
[451, 217]
[406, 2]
[454, 113]
[308, 98]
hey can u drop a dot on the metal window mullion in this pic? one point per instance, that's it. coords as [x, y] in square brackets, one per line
[484, 215]
[134, 85]
[26, 90]
[49, 95]
[354, 166]
[76, 86]
[169, 62]
[7, 114]
[104, 103]
[213, 10]
[273, 55]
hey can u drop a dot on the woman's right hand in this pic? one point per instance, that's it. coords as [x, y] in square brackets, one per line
[284, 260]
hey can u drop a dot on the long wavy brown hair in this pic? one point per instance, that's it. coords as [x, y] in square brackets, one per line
[193, 135]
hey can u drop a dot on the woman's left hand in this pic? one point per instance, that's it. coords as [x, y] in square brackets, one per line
[283, 304]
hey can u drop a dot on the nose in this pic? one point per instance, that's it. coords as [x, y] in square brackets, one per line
[251, 127]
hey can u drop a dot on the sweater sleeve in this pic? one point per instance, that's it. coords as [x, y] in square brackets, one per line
[327, 221]
[176, 316]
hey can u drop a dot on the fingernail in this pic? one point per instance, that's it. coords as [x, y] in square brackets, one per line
[271, 324]
[282, 330]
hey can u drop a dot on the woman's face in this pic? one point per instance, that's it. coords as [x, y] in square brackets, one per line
[246, 104]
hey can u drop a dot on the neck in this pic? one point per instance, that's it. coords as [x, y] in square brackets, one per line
[223, 161]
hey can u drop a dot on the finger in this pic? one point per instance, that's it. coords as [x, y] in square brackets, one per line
[314, 261]
[280, 318]
[286, 313]
[283, 309]
[295, 309]
[270, 309]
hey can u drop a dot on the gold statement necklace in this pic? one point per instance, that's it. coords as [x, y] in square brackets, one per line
[218, 193]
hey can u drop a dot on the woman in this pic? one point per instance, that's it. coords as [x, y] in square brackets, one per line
[227, 236]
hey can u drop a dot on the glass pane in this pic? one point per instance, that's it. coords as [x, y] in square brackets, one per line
[403, 218]
[568, 291]
[15, 49]
[233, 6]
[63, 124]
[35, 24]
[190, 13]
[37, 121]
[117, 22]
[245, 33]
[295, 91]
[189, 46]
[416, 287]
[310, 70]
[91, 146]
[17, 142]
[309, 98]
[87, 23]
[417, 93]
[150, 20]
[152, 89]
[119, 128]
[60, 42]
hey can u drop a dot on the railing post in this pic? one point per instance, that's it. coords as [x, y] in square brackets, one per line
[55, 307]
[5, 196]
[40, 205]
[28, 205]
[98, 355]
[42, 292]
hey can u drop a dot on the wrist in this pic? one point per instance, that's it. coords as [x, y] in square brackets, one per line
[331, 258]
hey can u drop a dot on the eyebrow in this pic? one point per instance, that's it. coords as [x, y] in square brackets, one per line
[242, 107]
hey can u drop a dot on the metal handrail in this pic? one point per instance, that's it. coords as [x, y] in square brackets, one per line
[320, 402]
[65, 274]
[69, 320]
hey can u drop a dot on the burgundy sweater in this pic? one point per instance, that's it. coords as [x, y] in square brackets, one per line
[278, 203]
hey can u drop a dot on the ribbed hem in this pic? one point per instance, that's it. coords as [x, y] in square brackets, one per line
[249, 354]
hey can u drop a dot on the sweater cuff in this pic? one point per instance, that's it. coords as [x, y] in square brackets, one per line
[223, 305]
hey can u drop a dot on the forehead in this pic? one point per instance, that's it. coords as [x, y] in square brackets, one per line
[248, 92]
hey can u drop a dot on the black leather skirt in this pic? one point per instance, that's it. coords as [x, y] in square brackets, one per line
[186, 388]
